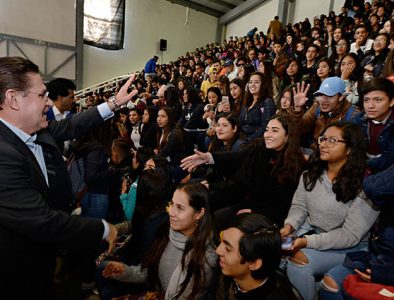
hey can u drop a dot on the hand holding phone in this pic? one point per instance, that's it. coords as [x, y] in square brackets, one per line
[225, 99]
[287, 242]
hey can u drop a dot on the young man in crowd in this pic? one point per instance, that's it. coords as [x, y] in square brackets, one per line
[198, 76]
[231, 70]
[249, 257]
[279, 59]
[311, 59]
[61, 92]
[213, 80]
[330, 106]
[362, 43]
[150, 67]
[377, 122]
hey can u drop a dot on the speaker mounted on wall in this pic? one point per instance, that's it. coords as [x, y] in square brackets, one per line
[163, 45]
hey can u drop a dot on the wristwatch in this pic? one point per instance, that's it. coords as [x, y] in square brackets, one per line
[113, 101]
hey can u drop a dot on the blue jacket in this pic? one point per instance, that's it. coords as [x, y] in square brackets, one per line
[385, 141]
[380, 189]
[150, 66]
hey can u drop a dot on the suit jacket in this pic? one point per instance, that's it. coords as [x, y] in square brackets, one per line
[31, 224]
[50, 117]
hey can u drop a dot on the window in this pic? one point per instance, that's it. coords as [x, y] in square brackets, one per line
[104, 23]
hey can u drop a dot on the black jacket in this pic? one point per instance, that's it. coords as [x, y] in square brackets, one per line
[253, 181]
[31, 224]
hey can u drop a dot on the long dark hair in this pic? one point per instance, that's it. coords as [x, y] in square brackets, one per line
[291, 161]
[287, 80]
[152, 193]
[166, 131]
[152, 111]
[215, 90]
[194, 255]
[357, 73]
[238, 104]
[264, 93]
[348, 184]
[316, 80]
[218, 145]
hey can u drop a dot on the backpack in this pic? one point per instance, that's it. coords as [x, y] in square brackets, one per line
[75, 167]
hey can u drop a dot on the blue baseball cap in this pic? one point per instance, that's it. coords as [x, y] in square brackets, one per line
[331, 86]
[228, 62]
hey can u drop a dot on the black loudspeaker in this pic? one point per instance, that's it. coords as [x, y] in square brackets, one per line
[163, 45]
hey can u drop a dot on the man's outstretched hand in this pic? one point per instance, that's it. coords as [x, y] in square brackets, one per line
[122, 97]
[193, 161]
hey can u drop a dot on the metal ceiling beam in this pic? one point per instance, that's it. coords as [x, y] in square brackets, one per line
[239, 10]
[198, 7]
[283, 11]
[224, 4]
[79, 42]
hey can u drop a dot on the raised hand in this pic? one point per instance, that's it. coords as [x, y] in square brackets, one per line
[300, 95]
[224, 107]
[193, 161]
[347, 71]
[122, 97]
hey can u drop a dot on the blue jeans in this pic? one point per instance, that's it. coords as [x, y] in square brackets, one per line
[319, 262]
[94, 205]
[338, 274]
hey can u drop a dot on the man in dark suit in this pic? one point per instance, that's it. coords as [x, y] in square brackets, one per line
[61, 92]
[32, 219]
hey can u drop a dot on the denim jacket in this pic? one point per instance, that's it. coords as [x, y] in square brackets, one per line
[254, 120]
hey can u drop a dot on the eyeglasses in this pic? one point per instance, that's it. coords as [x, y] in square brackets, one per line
[330, 141]
[41, 95]
[240, 65]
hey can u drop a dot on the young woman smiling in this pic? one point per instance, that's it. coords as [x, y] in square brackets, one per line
[271, 168]
[181, 263]
[227, 134]
[329, 215]
[258, 107]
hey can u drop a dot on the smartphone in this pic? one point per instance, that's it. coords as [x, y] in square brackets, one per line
[208, 107]
[287, 242]
[225, 99]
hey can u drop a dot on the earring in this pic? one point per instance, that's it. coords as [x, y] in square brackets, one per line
[197, 220]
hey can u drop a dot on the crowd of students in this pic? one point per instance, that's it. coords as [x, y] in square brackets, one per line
[295, 126]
